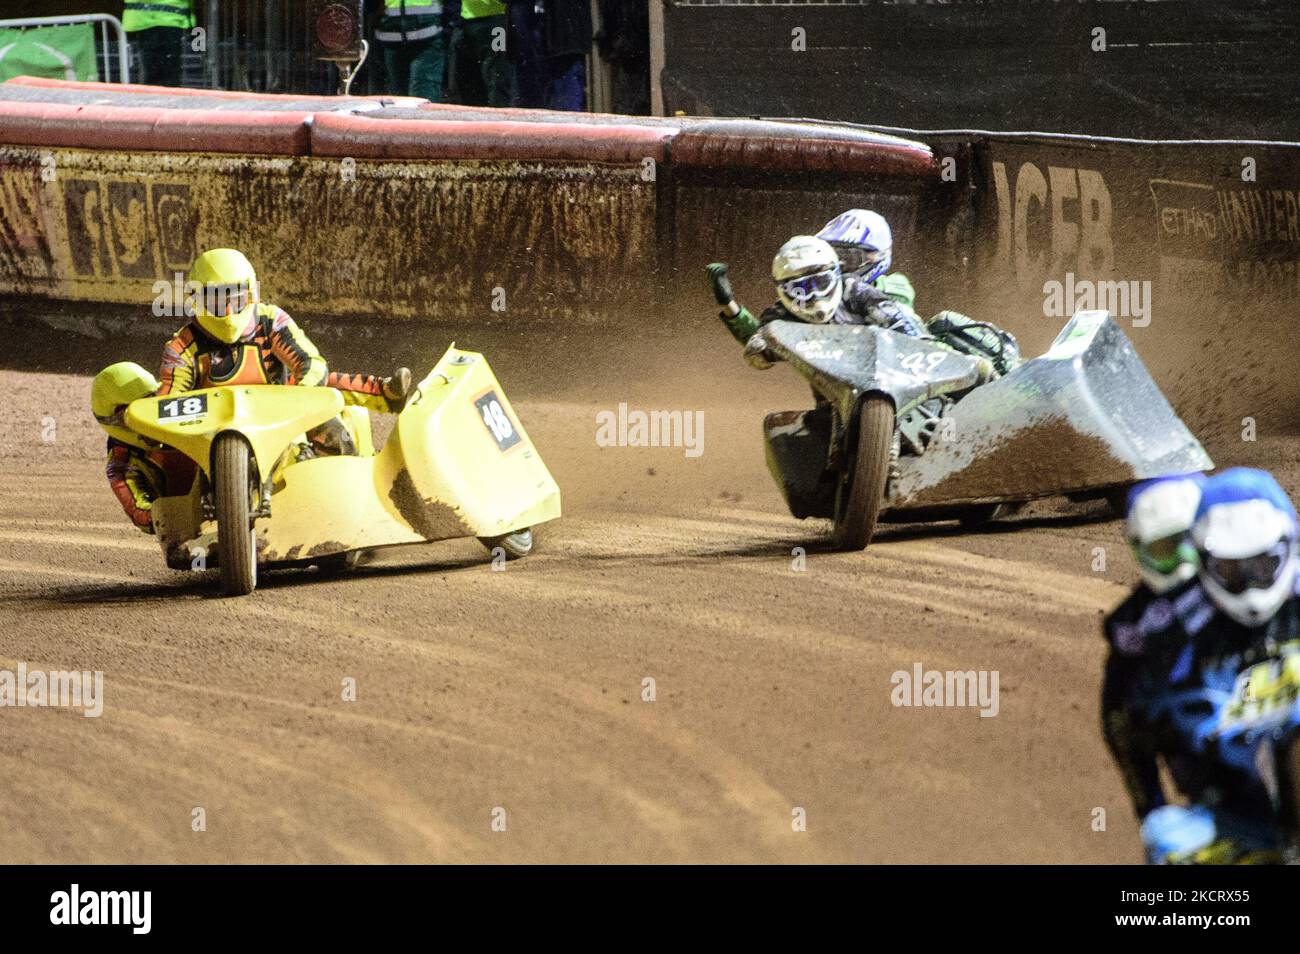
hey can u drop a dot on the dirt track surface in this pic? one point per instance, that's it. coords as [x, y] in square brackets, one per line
[523, 689]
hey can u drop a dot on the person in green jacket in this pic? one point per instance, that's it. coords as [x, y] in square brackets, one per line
[415, 47]
[156, 30]
[480, 70]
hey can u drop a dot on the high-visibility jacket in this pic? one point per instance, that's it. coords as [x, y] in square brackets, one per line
[474, 9]
[409, 20]
[144, 14]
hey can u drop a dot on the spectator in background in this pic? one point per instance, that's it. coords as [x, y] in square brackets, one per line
[549, 43]
[624, 42]
[415, 47]
[479, 70]
[156, 30]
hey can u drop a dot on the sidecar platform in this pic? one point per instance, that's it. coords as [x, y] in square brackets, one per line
[1085, 416]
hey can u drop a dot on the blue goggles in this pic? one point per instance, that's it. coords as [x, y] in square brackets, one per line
[812, 287]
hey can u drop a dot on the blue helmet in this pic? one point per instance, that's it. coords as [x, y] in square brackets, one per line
[864, 242]
[1159, 529]
[1245, 533]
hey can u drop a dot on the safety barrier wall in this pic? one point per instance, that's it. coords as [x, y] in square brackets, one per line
[1193, 246]
[1198, 229]
[405, 209]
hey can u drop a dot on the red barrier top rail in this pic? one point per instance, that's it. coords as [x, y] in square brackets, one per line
[56, 113]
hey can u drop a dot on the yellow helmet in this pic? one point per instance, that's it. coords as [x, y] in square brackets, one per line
[112, 390]
[223, 293]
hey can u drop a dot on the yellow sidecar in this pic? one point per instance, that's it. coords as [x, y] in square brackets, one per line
[457, 464]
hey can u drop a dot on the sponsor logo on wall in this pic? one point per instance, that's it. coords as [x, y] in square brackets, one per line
[1239, 240]
[1051, 221]
[24, 238]
[128, 229]
[1082, 224]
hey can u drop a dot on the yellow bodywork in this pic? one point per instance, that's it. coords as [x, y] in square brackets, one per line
[458, 463]
[268, 416]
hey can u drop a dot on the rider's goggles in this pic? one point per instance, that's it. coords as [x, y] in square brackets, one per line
[223, 300]
[1165, 554]
[812, 287]
[1257, 572]
[857, 259]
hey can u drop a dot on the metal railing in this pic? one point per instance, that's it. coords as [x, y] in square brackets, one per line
[103, 48]
[262, 46]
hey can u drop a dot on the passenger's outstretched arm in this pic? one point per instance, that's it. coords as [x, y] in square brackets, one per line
[735, 316]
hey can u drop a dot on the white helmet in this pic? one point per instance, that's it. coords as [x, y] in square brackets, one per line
[863, 240]
[807, 275]
[1160, 517]
[1246, 534]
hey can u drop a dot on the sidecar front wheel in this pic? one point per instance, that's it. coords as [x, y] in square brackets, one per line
[856, 521]
[236, 541]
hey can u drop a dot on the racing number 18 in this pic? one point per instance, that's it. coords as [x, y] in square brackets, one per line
[176, 409]
[497, 421]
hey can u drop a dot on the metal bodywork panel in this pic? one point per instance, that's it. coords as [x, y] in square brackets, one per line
[268, 416]
[1085, 416]
[796, 443]
[843, 362]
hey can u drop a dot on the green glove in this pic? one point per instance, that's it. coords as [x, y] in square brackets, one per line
[720, 283]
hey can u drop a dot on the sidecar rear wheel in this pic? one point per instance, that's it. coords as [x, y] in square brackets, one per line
[975, 517]
[236, 542]
[514, 545]
[856, 521]
[338, 563]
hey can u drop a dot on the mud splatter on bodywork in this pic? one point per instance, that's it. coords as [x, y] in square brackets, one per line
[432, 519]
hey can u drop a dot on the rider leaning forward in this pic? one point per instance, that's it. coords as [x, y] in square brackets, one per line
[841, 276]
[234, 338]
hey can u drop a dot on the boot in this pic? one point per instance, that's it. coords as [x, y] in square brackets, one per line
[397, 389]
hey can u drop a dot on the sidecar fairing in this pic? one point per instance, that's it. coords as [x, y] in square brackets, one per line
[842, 363]
[1082, 419]
[1085, 416]
[457, 464]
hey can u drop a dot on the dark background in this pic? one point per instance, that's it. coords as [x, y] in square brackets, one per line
[18, 9]
[1173, 68]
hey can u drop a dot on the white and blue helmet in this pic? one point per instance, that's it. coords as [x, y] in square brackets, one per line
[864, 242]
[1160, 517]
[808, 282]
[1245, 533]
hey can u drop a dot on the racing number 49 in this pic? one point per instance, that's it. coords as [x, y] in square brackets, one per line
[919, 363]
